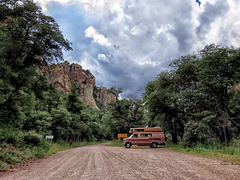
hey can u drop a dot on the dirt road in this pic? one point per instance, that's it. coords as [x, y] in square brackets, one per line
[103, 162]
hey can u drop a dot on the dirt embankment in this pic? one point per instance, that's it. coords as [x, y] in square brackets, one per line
[103, 162]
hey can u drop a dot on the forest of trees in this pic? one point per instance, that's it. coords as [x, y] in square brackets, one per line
[198, 100]
[195, 102]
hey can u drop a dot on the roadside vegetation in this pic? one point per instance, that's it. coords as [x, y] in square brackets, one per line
[230, 154]
[18, 146]
[118, 143]
[61, 146]
[196, 101]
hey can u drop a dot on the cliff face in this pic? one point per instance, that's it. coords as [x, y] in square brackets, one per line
[64, 74]
[103, 96]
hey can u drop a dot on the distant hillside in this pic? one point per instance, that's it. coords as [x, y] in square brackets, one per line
[64, 74]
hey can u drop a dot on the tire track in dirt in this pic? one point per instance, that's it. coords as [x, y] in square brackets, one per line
[133, 168]
[57, 166]
[121, 165]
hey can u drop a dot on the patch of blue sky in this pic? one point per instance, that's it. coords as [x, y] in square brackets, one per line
[73, 21]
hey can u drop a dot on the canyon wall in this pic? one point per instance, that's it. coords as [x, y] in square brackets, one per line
[62, 75]
[103, 97]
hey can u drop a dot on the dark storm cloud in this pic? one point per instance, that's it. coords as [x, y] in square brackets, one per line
[128, 75]
[156, 32]
[210, 14]
[183, 27]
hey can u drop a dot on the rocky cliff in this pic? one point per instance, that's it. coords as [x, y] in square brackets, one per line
[64, 74]
[102, 96]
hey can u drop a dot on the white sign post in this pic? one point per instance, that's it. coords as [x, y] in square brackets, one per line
[49, 137]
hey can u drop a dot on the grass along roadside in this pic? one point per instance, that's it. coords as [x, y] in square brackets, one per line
[18, 147]
[11, 155]
[65, 146]
[229, 154]
[118, 143]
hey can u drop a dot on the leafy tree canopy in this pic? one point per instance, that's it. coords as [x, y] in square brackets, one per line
[196, 100]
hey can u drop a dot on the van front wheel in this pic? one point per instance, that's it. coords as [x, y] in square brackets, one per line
[154, 145]
[128, 145]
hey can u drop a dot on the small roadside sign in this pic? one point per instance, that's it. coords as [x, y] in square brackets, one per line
[121, 136]
[49, 137]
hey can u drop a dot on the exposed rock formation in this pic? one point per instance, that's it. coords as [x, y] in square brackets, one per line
[103, 96]
[236, 87]
[64, 74]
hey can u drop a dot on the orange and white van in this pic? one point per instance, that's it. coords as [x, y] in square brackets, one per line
[145, 137]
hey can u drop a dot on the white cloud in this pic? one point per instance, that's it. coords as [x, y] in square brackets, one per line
[88, 62]
[43, 3]
[147, 61]
[103, 57]
[90, 32]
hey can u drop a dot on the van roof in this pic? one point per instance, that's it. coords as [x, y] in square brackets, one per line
[148, 129]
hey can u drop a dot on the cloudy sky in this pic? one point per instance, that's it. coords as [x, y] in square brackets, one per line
[127, 43]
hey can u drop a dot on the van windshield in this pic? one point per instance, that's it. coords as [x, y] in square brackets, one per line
[133, 136]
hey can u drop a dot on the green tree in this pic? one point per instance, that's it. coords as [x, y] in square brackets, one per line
[28, 38]
[75, 106]
[219, 72]
[161, 100]
[116, 92]
[127, 112]
[197, 100]
[61, 119]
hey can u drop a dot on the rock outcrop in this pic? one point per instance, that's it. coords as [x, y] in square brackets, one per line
[102, 96]
[64, 74]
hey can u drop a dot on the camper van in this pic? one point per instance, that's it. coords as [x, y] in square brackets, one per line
[145, 137]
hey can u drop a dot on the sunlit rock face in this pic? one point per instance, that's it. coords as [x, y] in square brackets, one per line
[103, 96]
[62, 75]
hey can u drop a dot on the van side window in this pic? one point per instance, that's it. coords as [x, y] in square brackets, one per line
[146, 135]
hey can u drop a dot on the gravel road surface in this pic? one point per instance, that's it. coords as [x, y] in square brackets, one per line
[113, 163]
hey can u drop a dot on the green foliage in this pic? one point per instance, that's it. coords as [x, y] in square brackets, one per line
[215, 150]
[20, 139]
[11, 156]
[124, 114]
[33, 139]
[197, 100]
[61, 119]
[28, 38]
[12, 136]
[39, 152]
[116, 143]
[161, 99]
[2, 166]
[115, 91]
